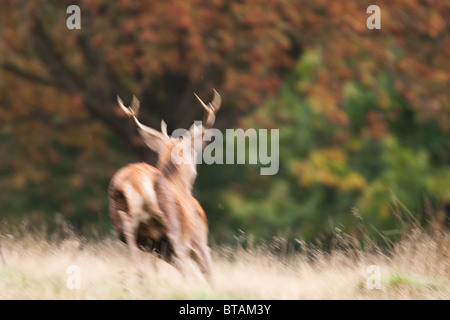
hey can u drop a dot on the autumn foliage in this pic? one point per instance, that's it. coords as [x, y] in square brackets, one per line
[364, 115]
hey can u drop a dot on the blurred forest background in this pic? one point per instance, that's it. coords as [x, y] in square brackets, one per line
[364, 115]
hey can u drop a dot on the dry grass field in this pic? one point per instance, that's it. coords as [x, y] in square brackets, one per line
[416, 267]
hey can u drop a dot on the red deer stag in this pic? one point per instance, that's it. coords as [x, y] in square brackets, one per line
[152, 208]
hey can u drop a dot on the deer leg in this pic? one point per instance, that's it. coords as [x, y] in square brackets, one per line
[178, 259]
[202, 256]
[177, 255]
[130, 237]
[179, 264]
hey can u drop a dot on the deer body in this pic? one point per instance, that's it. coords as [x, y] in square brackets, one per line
[161, 215]
[152, 208]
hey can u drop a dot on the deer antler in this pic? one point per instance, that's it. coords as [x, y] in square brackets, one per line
[133, 111]
[152, 138]
[211, 108]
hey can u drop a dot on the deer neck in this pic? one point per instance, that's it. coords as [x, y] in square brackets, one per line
[181, 176]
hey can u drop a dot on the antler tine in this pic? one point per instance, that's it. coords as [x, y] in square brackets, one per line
[202, 103]
[135, 104]
[128, 111]
[216, 102]
[211, 108]
[132, 111]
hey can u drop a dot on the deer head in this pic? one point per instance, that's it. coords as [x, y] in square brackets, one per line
[176, 154]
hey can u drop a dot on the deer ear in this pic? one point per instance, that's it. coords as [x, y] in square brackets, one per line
[153, 139]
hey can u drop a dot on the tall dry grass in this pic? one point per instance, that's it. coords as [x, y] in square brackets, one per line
[417, 266]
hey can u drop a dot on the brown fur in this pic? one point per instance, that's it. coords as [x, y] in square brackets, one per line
[153, 209]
